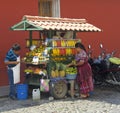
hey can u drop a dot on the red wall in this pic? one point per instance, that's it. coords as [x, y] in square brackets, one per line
[101, 13]
[12, 12]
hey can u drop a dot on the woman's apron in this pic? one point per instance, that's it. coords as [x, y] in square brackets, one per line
[16, 72]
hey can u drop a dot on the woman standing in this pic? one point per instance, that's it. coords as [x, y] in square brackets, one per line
[84, 75]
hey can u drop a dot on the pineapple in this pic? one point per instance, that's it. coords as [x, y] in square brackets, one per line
[56, 73]
[53, 74]
[62, 73]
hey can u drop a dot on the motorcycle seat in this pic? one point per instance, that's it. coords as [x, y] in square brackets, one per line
[115, 60]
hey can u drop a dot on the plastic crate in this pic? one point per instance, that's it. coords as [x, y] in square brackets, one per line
[22, 91]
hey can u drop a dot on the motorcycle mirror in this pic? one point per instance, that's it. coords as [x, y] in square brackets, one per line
[101, 46]
[89, 46]
[113, 52]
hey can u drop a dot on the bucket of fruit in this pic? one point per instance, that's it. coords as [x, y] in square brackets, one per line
[71, 73]
[71, 76]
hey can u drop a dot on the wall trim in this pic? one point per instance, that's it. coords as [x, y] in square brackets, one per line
[4, 91]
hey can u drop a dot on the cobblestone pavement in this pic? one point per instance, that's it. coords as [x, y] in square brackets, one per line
[104, 100]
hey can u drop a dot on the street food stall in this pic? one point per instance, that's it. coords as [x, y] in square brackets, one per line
[52, 51]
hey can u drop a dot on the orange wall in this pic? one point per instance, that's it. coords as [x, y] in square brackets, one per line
[101, 13]
[12, 12]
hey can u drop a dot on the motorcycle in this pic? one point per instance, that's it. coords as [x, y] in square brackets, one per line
[106, 67]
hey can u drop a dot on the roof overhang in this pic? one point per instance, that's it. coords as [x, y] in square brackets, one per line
[25, 25]
[52, 23]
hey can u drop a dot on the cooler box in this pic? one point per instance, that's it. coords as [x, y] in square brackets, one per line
[22, 91]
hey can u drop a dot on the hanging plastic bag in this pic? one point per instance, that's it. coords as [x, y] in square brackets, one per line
[44, 85]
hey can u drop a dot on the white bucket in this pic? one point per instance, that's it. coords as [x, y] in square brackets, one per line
[36, 94]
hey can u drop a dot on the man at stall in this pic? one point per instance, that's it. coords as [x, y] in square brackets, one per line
[12, 60]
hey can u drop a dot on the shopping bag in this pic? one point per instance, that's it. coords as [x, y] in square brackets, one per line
[44, 85]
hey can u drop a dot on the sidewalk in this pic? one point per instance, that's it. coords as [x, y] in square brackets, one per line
[104, 100]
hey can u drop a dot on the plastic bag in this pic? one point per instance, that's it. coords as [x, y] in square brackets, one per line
[44, 85]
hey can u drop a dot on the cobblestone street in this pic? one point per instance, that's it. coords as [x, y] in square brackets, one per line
[104, 100]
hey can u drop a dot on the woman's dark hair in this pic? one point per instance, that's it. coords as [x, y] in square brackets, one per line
[80, 45]
[16, 47]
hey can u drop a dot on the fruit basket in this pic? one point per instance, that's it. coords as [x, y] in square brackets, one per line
[71, 73]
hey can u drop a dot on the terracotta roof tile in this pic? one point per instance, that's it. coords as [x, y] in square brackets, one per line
[48, 23]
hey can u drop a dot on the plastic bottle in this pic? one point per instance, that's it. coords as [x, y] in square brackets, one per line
[36, 94]
[51, 98]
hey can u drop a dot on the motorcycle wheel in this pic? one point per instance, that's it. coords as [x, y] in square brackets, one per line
[97, 78]
[115, 80]
[118, 88]
[117, 76]
[58, 89]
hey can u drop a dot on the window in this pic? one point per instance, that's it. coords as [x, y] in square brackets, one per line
[49, 8]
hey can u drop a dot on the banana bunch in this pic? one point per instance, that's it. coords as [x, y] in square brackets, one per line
[68, 51]
[63, 43]
[58, 59]
[54, 43]
[42, 58]
[70, 43]
[74, 62]
[71, 70]
[28, 71]
[55, 52]
[39, 49]
[36, 52]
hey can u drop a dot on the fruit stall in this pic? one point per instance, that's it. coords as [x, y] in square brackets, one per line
[48, 55]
